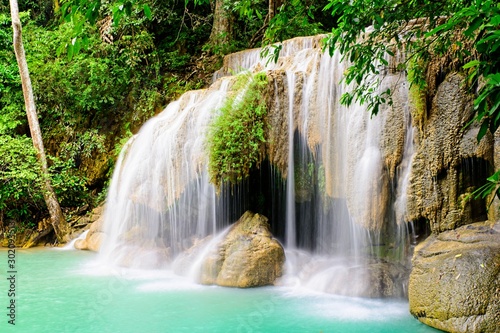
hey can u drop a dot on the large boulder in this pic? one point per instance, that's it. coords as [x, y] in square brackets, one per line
[455, 282]
[248, 256]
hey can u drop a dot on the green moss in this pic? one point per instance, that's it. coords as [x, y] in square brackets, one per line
[417, 92]
[237, 135]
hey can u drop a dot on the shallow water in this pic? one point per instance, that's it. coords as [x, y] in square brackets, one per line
[66, 291]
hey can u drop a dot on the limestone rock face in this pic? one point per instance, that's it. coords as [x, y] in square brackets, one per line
[447, 161]
[455, 281]
[248, 256]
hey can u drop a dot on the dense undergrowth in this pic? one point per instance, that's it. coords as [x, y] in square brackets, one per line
[88, 104]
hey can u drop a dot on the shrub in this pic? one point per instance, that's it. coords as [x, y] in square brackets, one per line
[236, 137]
[20, 190]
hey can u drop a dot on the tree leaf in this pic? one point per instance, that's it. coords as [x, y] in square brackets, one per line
[475, 24]
[147, 11]
[483, 129]
[472, 63]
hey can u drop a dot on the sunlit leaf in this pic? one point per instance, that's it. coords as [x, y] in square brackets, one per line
[147, 11]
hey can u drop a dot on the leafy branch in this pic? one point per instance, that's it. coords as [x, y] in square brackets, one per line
[466, 31]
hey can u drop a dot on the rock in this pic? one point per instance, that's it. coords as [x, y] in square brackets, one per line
[186, 260]
[92, 242]
[455, 281]
[277, 121]
[373, 278]
[441, 170]
[248, 256]
[378, 280]
[95, 236]
[81, 244]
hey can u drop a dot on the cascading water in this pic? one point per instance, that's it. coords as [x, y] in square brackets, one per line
[343, 175]
[160, 198]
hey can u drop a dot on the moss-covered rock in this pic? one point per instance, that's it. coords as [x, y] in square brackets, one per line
[247, 257]
[455, 281]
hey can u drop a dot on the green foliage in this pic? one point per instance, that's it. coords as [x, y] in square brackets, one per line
[84, 145]
[68, 185]
[391, 27]
[82, 13]
[237, 135]
[21, 196]
[80, 100]
[12, 112]
[91, 83]
[484, 31]
[296, 18]
[492, 187]
[368, 31]
[20, 190]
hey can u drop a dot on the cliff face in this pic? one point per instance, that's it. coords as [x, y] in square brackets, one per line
[449, 163]
[455, 280]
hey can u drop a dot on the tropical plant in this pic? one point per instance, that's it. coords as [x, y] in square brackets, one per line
[237, 134]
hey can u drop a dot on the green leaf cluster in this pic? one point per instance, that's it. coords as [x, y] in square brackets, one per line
[82, 102]
[237, 134]
[11, 95]
[492, 186]
[296, 18]
[367, 32]
[21, 196]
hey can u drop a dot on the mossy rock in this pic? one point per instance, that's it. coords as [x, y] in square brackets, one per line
[455, 282]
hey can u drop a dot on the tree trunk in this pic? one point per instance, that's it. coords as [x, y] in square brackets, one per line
[274, 6]
[59, 223]
[222, 27]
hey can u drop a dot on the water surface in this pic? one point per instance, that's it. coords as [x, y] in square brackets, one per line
[66, 291]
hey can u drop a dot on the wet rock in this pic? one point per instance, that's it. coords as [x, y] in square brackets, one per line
[185, 262]
[373, 278]
[455, 281]
[440, 181]
[91, 243]
[248, 256]
[277, 120]
[95, 236]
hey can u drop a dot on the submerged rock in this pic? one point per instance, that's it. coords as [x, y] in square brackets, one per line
[373, 278]
[455, 281]
[248, 256]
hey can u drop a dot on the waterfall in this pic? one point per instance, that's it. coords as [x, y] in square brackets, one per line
[160, 200]
[344, 174]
